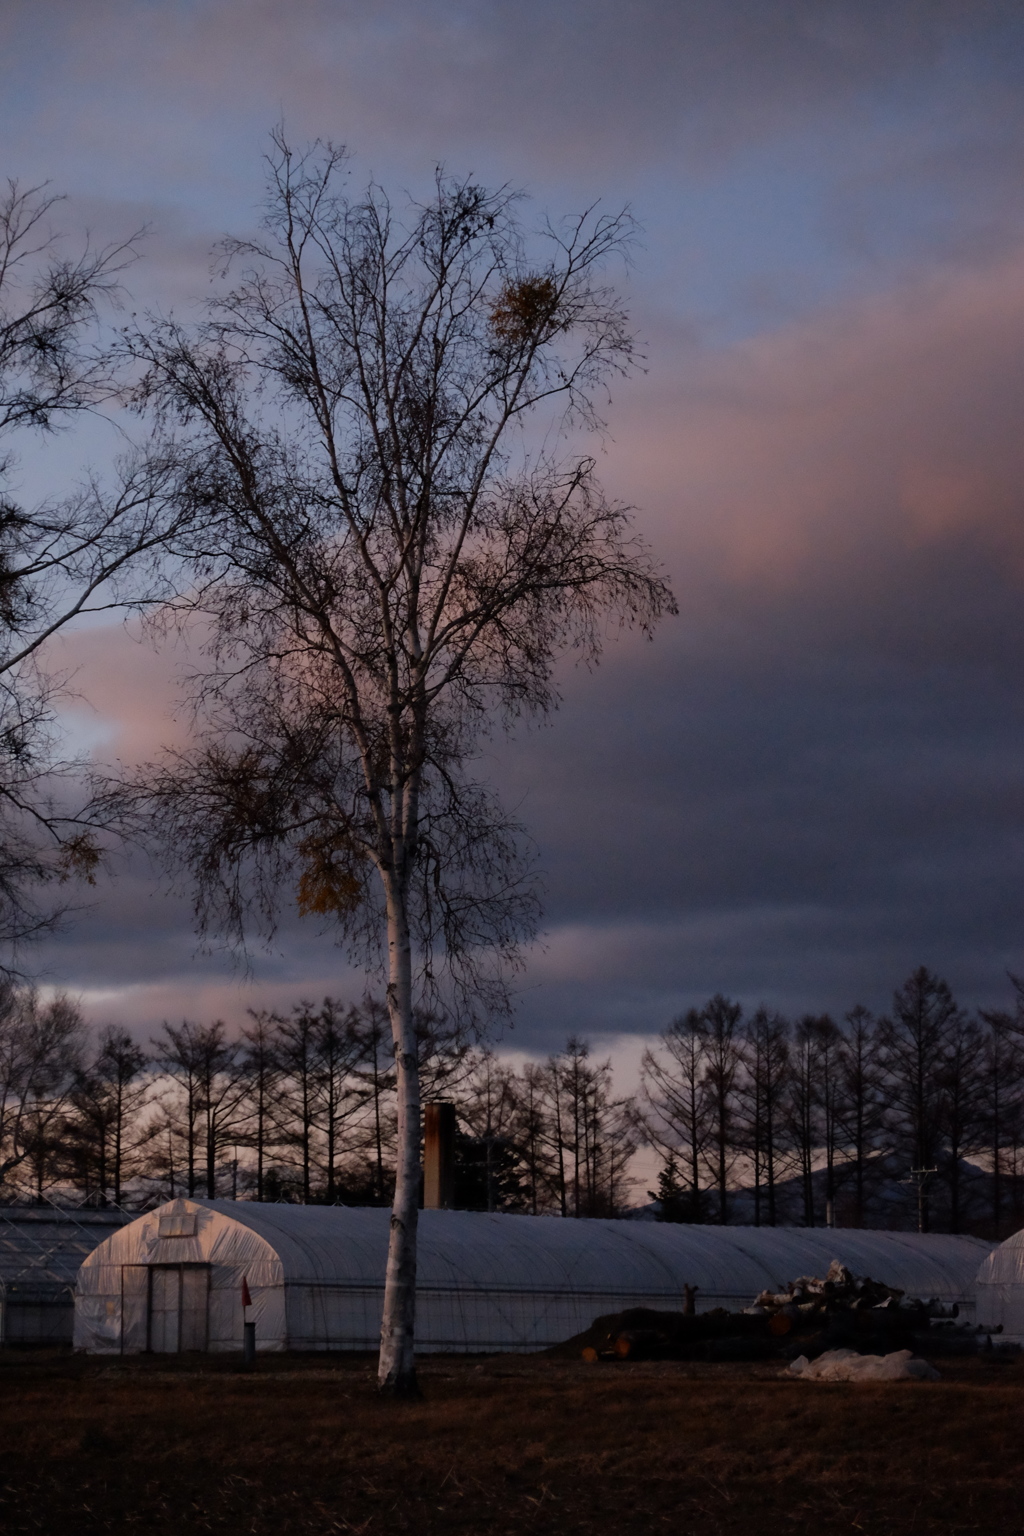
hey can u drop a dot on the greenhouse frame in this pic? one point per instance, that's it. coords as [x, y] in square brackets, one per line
[175, 1278]
[41, 1248]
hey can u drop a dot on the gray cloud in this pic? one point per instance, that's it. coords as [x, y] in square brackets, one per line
[569, 70]
[812, 780]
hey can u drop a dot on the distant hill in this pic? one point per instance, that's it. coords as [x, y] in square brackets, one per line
[891, 1201]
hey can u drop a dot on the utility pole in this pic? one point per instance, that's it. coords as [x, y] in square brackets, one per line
[920, 1176]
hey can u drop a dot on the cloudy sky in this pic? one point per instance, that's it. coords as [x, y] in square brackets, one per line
[813, 780]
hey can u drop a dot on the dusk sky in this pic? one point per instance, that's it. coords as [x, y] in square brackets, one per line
[813, 779]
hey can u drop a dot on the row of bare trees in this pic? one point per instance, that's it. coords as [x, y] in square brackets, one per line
[299, 1107]
[914, 1116]
[551, 1137]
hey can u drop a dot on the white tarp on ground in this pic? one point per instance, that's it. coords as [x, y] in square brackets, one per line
[485, 1282]
[1000, 1288]
[848, 1365]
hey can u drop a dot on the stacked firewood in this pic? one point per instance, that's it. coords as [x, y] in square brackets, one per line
[810, 1315]
[809, 1295]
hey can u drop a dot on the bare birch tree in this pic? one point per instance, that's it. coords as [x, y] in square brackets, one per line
[388, 564]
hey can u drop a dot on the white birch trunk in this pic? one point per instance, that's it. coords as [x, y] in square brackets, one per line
[397, 1369]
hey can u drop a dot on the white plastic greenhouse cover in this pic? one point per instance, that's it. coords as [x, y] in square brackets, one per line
[485, 1282]
[1000, 1287]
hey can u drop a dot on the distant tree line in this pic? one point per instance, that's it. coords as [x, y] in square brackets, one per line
[299, 1107]
[912, 1118]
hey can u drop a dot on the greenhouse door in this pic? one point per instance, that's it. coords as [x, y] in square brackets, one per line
[178, 1298]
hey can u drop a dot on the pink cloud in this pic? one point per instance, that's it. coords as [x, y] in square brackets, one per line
[871, 432]
[826, 457]
[125, 691]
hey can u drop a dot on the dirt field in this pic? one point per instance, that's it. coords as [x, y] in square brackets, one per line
[504, 1445]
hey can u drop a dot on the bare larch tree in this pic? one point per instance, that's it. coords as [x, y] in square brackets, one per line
[40, 1051]
[387, 562]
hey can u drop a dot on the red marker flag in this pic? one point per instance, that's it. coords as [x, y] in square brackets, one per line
[246, 1298]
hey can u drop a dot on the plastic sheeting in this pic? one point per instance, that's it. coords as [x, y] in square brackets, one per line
[485, 1282]
[1000, 1288]
[116, 1309]
[848, 1365]
[41, 1248]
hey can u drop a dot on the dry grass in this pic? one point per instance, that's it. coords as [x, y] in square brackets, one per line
[503, 1446]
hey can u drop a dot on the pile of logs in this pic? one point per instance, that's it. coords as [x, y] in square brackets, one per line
[809, 1316]
[840, 1290]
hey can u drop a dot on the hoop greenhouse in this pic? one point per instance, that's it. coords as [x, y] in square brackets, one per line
[173, 1279]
